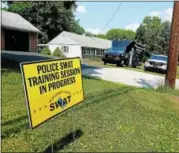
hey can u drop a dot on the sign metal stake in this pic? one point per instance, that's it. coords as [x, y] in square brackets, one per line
[72, 119]
[52, 146]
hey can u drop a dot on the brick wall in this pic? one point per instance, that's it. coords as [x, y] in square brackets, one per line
[2, 39]
[33, 38]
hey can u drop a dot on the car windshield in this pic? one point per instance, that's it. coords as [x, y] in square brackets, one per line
[157, 57]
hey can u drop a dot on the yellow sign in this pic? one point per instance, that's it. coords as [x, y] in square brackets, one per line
[51, 87]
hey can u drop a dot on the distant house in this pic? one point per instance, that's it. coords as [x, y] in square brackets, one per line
[17, 34]
[73, 45]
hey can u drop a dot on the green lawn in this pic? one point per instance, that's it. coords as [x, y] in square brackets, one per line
[139, 69]
[113, 117]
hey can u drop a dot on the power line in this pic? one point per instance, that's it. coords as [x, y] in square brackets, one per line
[111, 17]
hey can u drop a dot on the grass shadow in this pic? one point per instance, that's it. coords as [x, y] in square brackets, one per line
[14, 131]
[14, 120]
[8, 65]
[103, 96]
[91, 78]
[156, 71]
[63, 142]
[85, 66]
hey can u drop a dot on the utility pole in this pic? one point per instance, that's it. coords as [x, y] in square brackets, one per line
[174, 48]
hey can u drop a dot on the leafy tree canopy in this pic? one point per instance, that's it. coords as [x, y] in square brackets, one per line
[155, 34]
[87, 33]
[119, 34]
[49, 17]
[102, 36]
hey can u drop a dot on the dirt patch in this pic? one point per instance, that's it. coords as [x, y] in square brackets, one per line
[175, 102]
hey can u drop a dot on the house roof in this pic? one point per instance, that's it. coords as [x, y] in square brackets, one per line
[15, 21]
[63, 40]
[82, 40]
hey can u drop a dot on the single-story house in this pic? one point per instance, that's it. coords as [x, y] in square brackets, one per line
[73, 45]
[17, 34]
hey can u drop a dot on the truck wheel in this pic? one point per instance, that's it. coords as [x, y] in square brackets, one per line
[118, 64]
[122, 63]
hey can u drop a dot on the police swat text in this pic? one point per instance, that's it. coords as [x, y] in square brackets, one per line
[53, 76]
[38, 80]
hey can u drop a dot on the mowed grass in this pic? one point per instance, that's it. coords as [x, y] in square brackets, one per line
[139, 69]
[113, 117]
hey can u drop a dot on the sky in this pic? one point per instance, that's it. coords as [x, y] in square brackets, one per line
[94, 16]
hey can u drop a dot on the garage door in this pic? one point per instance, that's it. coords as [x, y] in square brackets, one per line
[16, 40]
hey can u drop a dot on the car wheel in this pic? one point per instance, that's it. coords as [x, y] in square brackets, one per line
[145, 69]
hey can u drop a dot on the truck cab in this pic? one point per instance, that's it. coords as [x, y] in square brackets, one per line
[123, 52]
[116, 54]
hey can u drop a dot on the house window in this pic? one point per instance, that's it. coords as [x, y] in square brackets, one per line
[86, 51]
[40, 48]
[99, 52]
[92, 51]
[65, 49]
[83, 51]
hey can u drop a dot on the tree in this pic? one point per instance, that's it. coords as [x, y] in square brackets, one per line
[164, 37]
[140, 34]
[57, 52]
[48, 16]
[151, 32]
[75, 27]
[46, 51]
[102, 36]
[118, 34]
[87, 33]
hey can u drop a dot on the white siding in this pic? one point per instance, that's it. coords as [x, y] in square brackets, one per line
[74, 50]
[53, 47]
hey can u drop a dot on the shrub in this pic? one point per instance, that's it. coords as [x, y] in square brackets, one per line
[46, 51]
[57, 52]
[63, 56]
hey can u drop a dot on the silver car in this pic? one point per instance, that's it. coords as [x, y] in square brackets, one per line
[156, 62]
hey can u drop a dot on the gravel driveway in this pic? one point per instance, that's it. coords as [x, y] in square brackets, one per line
[128, 77]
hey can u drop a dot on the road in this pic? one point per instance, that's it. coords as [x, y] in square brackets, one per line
[129, 77]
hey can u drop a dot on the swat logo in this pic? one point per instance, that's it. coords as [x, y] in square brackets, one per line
[62, 100]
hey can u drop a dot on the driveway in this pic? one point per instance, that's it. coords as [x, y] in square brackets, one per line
[24, 56]
[128, 77]
[30, 56]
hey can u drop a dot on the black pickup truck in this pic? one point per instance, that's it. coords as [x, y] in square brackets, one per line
[122, 53]
[115, 57]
